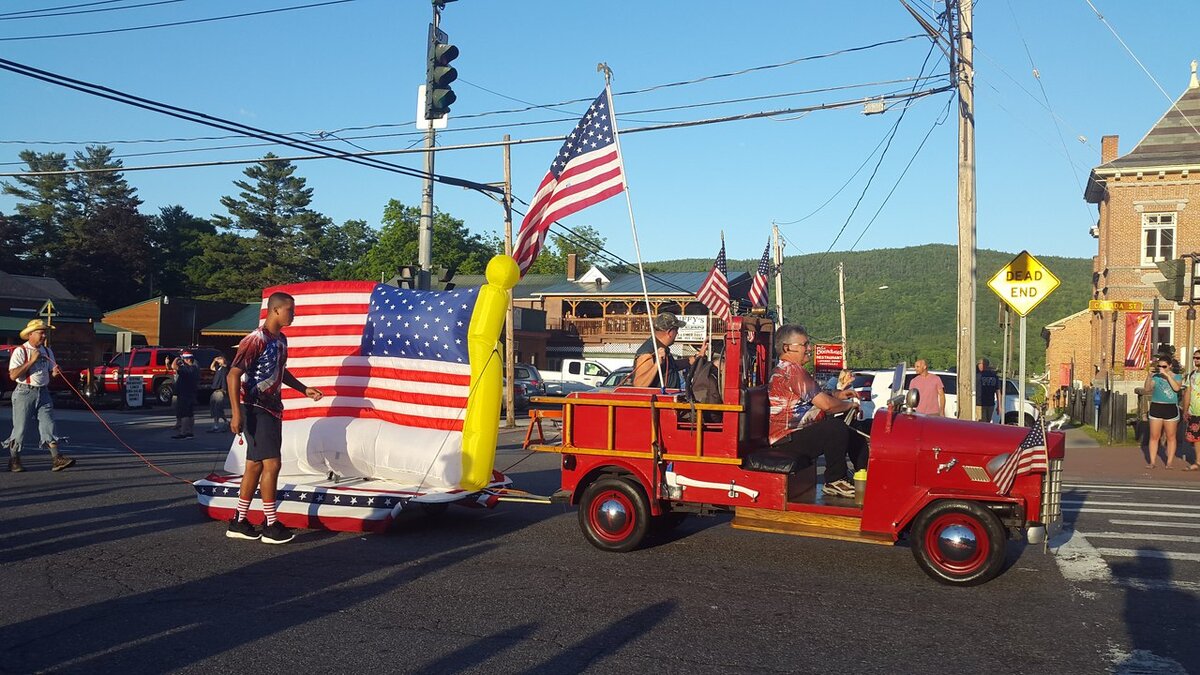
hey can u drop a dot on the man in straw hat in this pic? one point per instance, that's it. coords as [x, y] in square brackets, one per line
[31, 366]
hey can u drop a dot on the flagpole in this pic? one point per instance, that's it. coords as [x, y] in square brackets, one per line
[637, 249]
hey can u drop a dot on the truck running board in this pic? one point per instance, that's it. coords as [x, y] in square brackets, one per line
[824, 526]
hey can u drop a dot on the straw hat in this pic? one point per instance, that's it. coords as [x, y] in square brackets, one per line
[34, 324]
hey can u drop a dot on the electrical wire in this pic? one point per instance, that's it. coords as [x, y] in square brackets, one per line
[87, 11]
[51, 9]
[174, 23]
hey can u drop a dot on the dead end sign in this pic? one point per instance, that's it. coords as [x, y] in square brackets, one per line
[1023, 283]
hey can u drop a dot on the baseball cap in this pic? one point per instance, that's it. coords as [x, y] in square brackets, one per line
[186, 355]
[666, 321]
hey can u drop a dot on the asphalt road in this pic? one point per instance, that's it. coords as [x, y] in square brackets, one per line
[109, 567]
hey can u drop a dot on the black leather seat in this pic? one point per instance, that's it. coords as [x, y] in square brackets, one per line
[771, 460]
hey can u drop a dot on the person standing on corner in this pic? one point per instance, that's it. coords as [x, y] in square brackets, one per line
[987, 391]
[31, 366]
[255, 381]
[187, 382]
[929, 386]
[216, 402]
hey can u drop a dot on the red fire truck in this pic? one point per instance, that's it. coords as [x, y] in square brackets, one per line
[636, 460]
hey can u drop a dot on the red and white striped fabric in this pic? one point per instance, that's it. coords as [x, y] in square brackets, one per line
[714, 292]
[586, 171]
[1137, 339]
[391, 408]
[1029, 457]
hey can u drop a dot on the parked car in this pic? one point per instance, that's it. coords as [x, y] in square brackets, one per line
[520, 398]
[531, 377]
[575, 375]
[616, 378]
[874, 388]
[149, 363]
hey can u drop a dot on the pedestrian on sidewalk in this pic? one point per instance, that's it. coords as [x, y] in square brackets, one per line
[1191, 408]
[1165, 383]
[932, 399]
[31, 366]
[187, 382]
[987, 391]
[216, 402]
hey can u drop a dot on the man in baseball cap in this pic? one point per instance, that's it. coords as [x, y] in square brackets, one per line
[649, 371]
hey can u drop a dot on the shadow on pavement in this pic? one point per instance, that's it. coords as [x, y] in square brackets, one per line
[1160, 618]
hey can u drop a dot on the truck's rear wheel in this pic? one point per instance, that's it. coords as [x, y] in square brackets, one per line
[1012, 417]
[958, 542]
[164, 391]
[614, 514]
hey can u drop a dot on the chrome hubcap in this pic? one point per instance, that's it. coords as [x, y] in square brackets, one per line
[957, 543]
[611, 515]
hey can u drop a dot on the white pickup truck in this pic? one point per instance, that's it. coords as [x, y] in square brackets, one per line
[874, 389]
[575, 375]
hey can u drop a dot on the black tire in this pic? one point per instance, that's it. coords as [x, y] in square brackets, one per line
[1012, 417]
[959, 543]
[164, 391]
[614, 515]
[1029, 421]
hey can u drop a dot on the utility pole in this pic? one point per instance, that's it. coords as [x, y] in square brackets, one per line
[509, 348]
[842, 304]
[966, 210]
[425, 231]
[778, 275]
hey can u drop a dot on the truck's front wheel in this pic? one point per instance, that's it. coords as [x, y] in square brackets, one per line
[614, 514]
[959, 543]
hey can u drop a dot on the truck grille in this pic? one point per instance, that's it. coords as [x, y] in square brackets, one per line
[1052, 498]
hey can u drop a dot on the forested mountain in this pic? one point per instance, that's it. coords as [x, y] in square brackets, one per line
[915, 315]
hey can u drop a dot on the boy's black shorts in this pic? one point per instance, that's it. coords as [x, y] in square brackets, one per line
[263, 432]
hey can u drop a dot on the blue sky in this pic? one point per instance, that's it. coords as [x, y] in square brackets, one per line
[359, 64]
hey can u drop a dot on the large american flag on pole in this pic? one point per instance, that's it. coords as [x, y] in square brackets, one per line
[1030, 457]
[714, 292]
[758, 287]
[586, 171]
[393, 366]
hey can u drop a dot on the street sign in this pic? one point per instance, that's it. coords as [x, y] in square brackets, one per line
[1114, 306]
[422, 120]
[1023, 283]
[694, 328]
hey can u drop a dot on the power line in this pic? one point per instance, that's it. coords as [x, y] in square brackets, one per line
[85, 11]
[174, 23]
[330, 154]
[51, 9]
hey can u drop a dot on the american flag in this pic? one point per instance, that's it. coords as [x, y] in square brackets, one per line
[1030, 457]
[1137, 339]
[393, 366]
[714, 292]
[758, 288]
[586, 171]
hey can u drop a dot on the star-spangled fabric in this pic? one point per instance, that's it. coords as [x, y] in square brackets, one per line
[1030, 457]
[586, 171]
[714, 292]
[758, 287]
[394, 369]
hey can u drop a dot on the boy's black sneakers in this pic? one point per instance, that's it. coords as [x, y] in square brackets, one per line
[241, 529]
[276, 533]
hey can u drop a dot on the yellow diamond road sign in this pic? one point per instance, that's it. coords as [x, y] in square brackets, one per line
[1023, 283]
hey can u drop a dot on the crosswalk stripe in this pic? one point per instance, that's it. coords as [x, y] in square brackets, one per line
[1155, 523]
[1089, 502]
[1122, 488]
[1132, 512]
[1146, 536]
[1135, 553]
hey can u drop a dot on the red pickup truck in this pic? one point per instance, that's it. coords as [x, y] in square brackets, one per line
[149, 363]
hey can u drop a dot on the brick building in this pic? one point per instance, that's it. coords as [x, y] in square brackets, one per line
[1146, 214]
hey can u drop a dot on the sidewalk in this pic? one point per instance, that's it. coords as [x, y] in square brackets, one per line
[1088, 460]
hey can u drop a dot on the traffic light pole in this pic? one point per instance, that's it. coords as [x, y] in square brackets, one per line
[425, 233]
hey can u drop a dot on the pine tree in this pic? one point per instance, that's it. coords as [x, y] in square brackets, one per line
[44, 204]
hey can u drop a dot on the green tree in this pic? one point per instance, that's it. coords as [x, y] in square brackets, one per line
[43, 205]
[12, 245]
[453, 244]
[585, 242]
[343, 247]
[178, 238]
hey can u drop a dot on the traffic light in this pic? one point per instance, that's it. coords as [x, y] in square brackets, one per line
[439, 75]
[446, 276]
[1175, 272]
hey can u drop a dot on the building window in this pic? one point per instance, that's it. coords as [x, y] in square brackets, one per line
[1158, 237]
[1166, 330]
